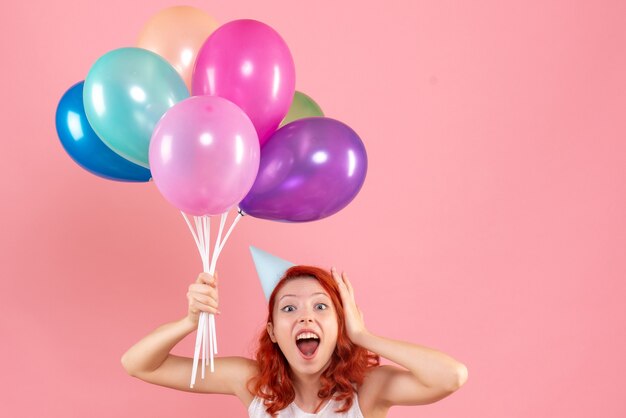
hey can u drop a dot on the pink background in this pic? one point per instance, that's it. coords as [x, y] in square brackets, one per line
[491, 225]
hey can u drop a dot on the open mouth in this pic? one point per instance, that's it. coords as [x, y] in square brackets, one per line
[307, 343]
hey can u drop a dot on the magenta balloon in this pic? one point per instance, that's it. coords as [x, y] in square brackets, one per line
[204, 155]
[248, 63]
[310, 169]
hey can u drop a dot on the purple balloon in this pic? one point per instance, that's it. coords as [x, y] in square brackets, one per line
[310, 169]
[204, 155]
[248, 63]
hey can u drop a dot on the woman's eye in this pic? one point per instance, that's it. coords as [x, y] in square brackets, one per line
[288, 308]
[321, 306]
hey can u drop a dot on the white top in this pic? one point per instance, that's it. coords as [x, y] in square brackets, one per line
[257, 410]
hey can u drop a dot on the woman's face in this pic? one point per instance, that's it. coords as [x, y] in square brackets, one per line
[304, 325]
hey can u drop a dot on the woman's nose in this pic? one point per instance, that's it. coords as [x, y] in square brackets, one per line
[306, 318]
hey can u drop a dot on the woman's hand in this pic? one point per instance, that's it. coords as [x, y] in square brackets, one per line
[202, 297]
[355, 325]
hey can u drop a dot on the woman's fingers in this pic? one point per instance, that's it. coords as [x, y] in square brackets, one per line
[202, 302]
[203, 288]
[198, 307]
[348, 283]
[205, 284]
[203, 295]
[204, 299]
[207, 278]
[342, 281]
[333, 271]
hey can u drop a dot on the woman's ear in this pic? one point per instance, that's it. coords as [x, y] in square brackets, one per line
[270, 331]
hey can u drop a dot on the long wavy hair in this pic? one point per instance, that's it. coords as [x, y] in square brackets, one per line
[348, 365]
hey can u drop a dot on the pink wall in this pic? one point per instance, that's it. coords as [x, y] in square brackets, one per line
[491, 224]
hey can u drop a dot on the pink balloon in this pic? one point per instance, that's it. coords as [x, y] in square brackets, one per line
[204, 155]
[248, 63]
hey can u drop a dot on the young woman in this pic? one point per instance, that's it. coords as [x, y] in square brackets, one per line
[316, 355]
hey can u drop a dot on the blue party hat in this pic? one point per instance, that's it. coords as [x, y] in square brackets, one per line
[269, 268]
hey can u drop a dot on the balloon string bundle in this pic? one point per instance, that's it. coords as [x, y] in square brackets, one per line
[206, 338]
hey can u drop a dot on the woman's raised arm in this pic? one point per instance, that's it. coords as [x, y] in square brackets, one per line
[429, 375]
[150, 359]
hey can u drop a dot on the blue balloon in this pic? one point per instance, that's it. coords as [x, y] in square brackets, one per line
[85, 147]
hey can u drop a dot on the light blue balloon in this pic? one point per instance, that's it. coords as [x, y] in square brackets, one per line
[269, 268]
[126, 92]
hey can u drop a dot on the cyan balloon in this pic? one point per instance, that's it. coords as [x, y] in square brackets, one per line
[126, 92]
[84, 146]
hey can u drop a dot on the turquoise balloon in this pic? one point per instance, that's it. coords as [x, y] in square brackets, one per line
[126, 92]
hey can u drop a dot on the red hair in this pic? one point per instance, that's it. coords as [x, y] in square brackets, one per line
[348, 365]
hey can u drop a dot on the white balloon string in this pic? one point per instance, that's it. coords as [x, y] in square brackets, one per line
[197, 348]
[199, 231]
[211, 347]
[199, 334]
[207, 339]
[206, 229]
[210, 325]
[206, 328]
[206, 224]
[202, 241]
[218, 242]
[222, 224]
[218, 250]
[204, 335]
[230, 230]
[193, 232]
[207, 335]
[213, 333]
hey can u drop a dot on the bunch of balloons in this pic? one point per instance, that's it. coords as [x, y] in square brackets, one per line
[243, 137]
[132, 119]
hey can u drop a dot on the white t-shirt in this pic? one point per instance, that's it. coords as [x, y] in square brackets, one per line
[257, 410]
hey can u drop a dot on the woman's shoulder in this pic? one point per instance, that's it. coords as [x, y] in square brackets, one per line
[246, 369]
